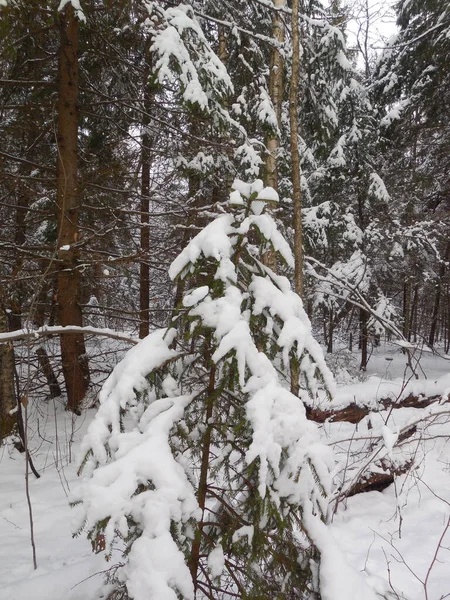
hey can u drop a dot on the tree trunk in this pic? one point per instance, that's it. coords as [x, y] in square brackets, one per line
[295, 158]
[15, 304]
[144, 279]
[8, 402]
[47, 369]
[363, 340]
[414, 309]
[330, 332]
[194, 558]
[407, 309]
[276, 80]
[437, 298]
[447, 345]
[73, 351]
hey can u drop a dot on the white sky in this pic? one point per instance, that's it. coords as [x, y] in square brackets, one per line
[374, 19]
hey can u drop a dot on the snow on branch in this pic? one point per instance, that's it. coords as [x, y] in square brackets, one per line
[350, 287]
[76, 7]
[184, 55]
[46, 331]
[197, 426]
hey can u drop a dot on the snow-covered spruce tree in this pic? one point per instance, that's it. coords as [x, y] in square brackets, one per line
[201, 466]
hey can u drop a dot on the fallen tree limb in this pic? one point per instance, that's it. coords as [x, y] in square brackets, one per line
[354, 413]
[29, 334]
[376, 481]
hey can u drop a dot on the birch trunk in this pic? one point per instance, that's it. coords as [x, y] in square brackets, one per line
[276, 80]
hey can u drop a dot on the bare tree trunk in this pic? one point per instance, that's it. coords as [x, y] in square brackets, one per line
[8, 402]
[363, 339]
[330, 332]
[437, 298]
[73, 351]
[194, 558]
[276, 83]
[15, 304]
[144, 291]
[414, 309]
[407, 309]
[295, 158]
[276, 80]
[296, 181]
[447, 344]
[47, 369]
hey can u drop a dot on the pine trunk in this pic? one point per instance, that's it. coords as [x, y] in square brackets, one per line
[437, 298]
[47, 370]
[144, 279]
[73, 351]
[295, 158]
[7, 394]
[407, 309]
[363, 318]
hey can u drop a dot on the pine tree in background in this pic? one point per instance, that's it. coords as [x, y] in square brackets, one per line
[200, 460]
[413, 83]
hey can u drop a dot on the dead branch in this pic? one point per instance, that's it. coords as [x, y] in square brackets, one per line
[354, 413]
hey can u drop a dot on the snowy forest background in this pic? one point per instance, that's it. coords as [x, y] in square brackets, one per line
[165, 171]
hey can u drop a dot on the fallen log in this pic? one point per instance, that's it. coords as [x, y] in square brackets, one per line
[354, 413]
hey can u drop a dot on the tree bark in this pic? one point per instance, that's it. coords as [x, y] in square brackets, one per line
[363, 339]
[414, 309]
[144, 275]
[8, 402]
[15, 303]
[276, 80]
[73, 351]
[295, 158]
[47, 369]
[407, 309]
[194, 558]
[437, 298]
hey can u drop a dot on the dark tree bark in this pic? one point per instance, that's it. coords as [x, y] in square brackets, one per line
[437, 298]
[144, 289]
[8, 402]
[295, 158]
[407, 309]
[414, 310]
[363, 339]
[73, 351]
[47, 369]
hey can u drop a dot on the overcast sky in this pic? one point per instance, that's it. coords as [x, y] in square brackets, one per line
[374, 19]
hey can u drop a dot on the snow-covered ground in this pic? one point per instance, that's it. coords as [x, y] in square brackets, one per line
[399, 538]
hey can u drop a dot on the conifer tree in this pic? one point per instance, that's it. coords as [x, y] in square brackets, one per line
[413, 84]
[200, 460]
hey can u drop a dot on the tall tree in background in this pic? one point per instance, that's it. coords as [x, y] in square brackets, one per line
[276, 92]
[414, 85]
[295, 158]
[146, 157]
[73, 350]
[8, 401]
[205, 123]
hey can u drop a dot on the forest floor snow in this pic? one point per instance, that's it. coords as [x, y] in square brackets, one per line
[399, 538]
